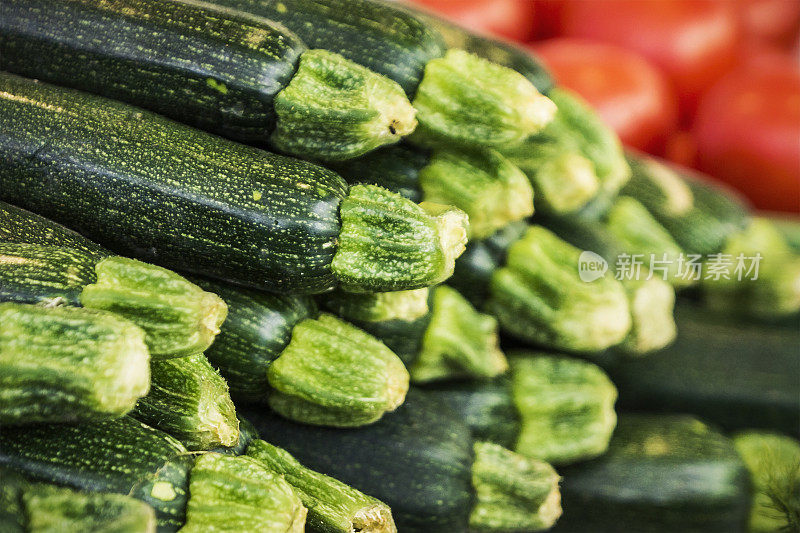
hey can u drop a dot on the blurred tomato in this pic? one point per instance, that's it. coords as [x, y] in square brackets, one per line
[770, 21]
[548, 17]
[630, 94]
[692, 41]
[512, 19]
[747, 132]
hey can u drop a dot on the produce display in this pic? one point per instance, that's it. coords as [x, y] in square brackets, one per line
[343, 266]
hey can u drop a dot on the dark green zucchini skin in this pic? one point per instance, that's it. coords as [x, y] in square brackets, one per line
[379, 36]
[147, 187]
[258, 328]
[495, 50]
[737, 375]
[660, 474]
[417, 460]
[122, 456]
[394, 167]
[486, 407]
[21, 226]
[481, 258]
[219, 72]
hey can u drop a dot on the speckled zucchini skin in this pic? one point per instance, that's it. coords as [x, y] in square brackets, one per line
[121, 456]
[148, 187]
[219, 72]
[21, 226]
[379, 36]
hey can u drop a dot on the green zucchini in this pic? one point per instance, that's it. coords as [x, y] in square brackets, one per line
[566, 407]
[484, 184]
[651, 301]
[486, 406]
[44, 508]
[189, 400]
[501, 52]
[459, 97]
[450, 338]
[247, 433]
[221, 70]
[657, 186]
[236, 493]
[68, 365]
[717, 213]
[158, 190]
[789, 226]
[121, 456]
[774, 464]
[48, 263]
[734, 374]
[333, 507]
[538, 296]
[759, 277]
[667, 473]
[423, 463]
[399, 319]
[311, 368]
[576, 158]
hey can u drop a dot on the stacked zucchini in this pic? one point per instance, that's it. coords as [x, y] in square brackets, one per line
[237, 292]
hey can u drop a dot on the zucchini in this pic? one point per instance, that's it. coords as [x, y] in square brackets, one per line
[157, 190]
[68, 365]
[667, 473]
[639, 234]
[717, 370]
[484, 184]
[538, 296]
[451, 339]
[459, 97]
[311, 368]
[189, 400]
[651, 301]
[237, 493]
[486, 406]
[399, 319]
[178, 318]
[422, 462]
[247, 433]
[657, 186]
[224, 71]
[333, 507]
[44, 508]
[566, 407]
[575, 159]
[121, 456]
[501, 52]
[774, 464]
[48, 263]
[760, 277]
[717, 213]
[789, 227]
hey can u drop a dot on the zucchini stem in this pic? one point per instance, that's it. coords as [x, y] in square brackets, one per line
[333, 507]
[389, 243]
[334, 109]
[512, 492]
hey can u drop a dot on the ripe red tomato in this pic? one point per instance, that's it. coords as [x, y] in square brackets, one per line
[774, 22]
[747, 132]
[512, 19]
[692, 41]
[629, 94]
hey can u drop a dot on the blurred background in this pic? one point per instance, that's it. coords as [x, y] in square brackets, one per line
[710, 84]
